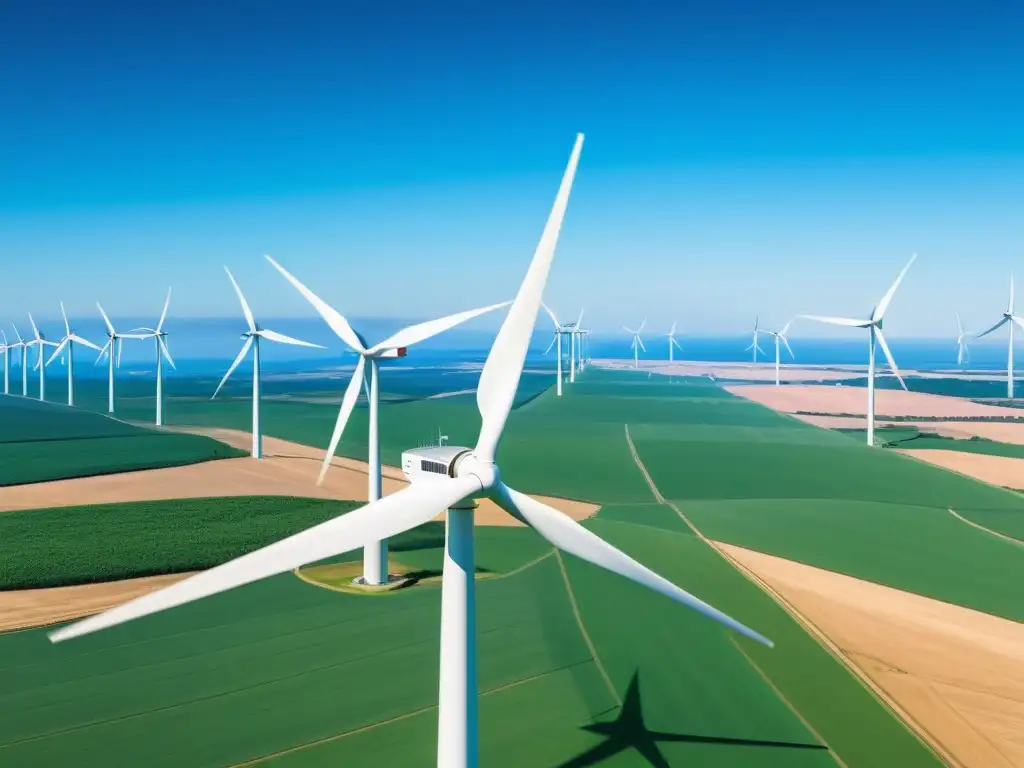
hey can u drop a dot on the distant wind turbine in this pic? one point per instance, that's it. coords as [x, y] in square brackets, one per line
[160, 344]
[560, 330]
[40, 343]
[754, 346]
[68, 342]
[5, 350]
[252, 341]
[114, 339]
[874, 326]
[672, 342]
[1008, 318]
[637, 343]
[962, 352]
[780, 336]
[375, 556]
[22, 356]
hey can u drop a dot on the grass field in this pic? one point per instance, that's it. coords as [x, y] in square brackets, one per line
[914, 438]
[45, 441]
[576, 666]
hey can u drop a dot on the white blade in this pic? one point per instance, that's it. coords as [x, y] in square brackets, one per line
[579, 320]
[106, 319]
[888, 356]
[959, 325]
[849, 323]
[551, 314]
[241, 356]
[553, 340]
[785, 328]
[20, 340]
[280, 338]
[348, 402]
[163, 314]
[642, 324]
[571, 537]
[331, 316]
[67, 326]
[1002, 321]
[1018, 321]
[673, 331]
[84, 342]
[166, 353]
[422, 331]
[57, 351]
[382, 519]
[500, 376]
[120, 348]
[245, 306]
[883, 305]
[1009, 307]
[678, 345]
[35, 330]
[960, 352]
[629, 330]
[641, 343]
[788, 348]
[103, 352]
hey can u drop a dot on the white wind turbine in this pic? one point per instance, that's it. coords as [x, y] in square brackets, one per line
[1008, 318]
[68, 341]
[556, 341]
[671, 336]
[114, 340]
[780, 336]
[754, 346]
[160, 344]
[252, 340]
[962, 352]
[23, 357]
[472, 474]
[637, 343]
[874, 326]
[40, 343]
[5, 350]
[575, 347]
[375, 556]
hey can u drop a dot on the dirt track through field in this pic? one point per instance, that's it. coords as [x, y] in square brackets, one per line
[288, 469]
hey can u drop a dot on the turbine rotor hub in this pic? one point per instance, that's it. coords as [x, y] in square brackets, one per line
[486, 472]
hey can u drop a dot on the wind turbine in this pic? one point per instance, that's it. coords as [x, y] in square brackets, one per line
[40, 343]
[780, 336]
[375, 555]
[5, 350]
[672, 342]
[252, 340]
[637, 342]
[472, 473]
[160, 335]
[20, 343]
[560, 331]
[574, 347]
[1007, 318]
[114, 339]
[874, 326]
[68, 341]
[754, 346]
[962, 352]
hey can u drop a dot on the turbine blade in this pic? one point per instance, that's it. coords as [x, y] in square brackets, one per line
[120, 347]
[553, 340]
[331, 316]
[423, 331]
[241, 356]
[110, 327]
[673, 331]
[579, 320]
[642, 324]
[959, 325]
[348, 402]
[883, 305]
[245, 305]
[888, 356]
[629, 330]
[551, 314]
[381, 519]
[103, 352]
[500, 376]
[571, 537]
[641, 343]
[163, 314]
[280, 338]
[20, 340]
[1009, 308]
[678, 345]
[84, 342]
[35, 330]
[846, 321]
[1018, 321]
[1002, 321]
[57, 351]
[67, 326]
[788, 348]
[164, 350]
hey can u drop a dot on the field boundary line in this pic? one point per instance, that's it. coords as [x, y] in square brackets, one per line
[583, 630]
[980, 527]
[922, 734]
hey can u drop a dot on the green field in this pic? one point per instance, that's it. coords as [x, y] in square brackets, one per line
[914, 438]
[46, 441]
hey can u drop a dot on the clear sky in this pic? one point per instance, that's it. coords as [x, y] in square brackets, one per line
[741, 158]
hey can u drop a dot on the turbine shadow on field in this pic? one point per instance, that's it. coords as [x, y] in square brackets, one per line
[628, 731]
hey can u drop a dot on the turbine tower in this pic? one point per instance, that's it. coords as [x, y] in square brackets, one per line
[1008, 318]
[472, 473]
[252, 340]
[874, 326]
[780, 336]
[160, 344]
[754, 346]
[574, 347]
[375, 555]
[69, 340]
[962, 352]
[23, 359]
[40, 343]
[671, 336]
[637, 343]
[560, 331]
[5, 350]
[114, 339]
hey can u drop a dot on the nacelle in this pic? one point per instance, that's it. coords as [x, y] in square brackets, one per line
[431, 462]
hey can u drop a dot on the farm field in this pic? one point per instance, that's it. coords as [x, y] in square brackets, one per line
[551, 628]
[46, 441]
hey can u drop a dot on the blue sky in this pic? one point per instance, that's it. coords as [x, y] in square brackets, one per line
[742, 158]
